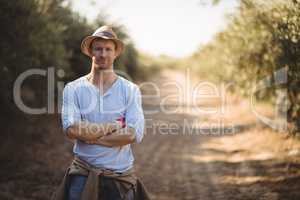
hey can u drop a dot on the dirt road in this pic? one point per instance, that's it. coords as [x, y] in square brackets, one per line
[229, 157]
[185, 154]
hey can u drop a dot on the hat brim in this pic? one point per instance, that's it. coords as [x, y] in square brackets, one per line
[86, 43]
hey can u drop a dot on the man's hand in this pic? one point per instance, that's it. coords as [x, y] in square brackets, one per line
[86, 131]
[118, 138]
[113, 127]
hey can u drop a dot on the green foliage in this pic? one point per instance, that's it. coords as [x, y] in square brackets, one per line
[263, 37]
[29, 40]
[47, 33]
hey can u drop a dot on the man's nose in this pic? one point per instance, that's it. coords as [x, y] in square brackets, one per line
[103, 53]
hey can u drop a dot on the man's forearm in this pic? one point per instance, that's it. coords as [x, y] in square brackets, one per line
[119, 138]
[87, 131]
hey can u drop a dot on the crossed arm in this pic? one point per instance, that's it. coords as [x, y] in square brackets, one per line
[105, 134]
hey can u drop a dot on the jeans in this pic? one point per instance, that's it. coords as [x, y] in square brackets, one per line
[76, 186]
[108, 189]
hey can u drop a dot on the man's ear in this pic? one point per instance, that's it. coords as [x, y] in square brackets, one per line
[90, 51]
[115, 55]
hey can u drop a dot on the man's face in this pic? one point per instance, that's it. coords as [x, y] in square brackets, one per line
[103, 53]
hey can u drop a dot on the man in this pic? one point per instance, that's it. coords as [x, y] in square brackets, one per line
[102, 113]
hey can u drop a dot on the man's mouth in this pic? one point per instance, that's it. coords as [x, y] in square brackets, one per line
[100, 61]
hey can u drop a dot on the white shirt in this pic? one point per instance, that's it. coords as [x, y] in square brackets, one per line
[83, 101]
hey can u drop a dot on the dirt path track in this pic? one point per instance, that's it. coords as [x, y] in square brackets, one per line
[248, 163]
[203, 165]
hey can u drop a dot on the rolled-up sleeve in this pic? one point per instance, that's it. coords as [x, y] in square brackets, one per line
[134, 113]
[70, 109]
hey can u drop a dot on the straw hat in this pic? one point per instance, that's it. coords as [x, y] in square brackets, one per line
[104, 32]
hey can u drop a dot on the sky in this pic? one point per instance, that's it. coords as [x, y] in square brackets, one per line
[175, 28]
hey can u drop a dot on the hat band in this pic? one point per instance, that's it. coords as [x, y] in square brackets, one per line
[105, 34]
